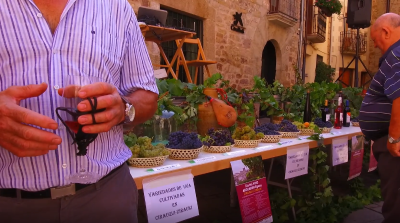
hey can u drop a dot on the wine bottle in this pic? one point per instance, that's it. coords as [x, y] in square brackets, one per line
[339, 114]
[325, 113]
[346, 115]
[307, 109]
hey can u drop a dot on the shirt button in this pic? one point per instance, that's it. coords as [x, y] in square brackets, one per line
[56, 87]
[64, 166]
[39, 15]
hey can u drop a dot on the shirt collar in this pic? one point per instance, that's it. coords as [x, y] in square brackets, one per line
[396, 44]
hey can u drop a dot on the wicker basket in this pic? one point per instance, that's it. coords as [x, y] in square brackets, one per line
[147, 162]
[325, 130]
[306, 132]
[246, 143]
[184, 154]
[355, 124]
[290, 134]
[271, 138]
[217, 149]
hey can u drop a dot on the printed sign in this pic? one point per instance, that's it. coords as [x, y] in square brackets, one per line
[163, 168]
[373, 164]
[203, 160]
[357, 153]
[252, 190]
[234, 153]
[170, 198]
[285, 143]
[297, 161]
[340, 151]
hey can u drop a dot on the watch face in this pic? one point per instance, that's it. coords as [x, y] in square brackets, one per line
[131, 113]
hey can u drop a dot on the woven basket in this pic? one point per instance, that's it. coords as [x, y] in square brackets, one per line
[306, 132]
[290, 134]
[355, 124]
[147, 162]
[271, 138]
[246, 143]
[325, 130]
[184, 154]
[217, 149]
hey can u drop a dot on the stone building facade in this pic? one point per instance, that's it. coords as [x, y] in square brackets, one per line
[238, 55]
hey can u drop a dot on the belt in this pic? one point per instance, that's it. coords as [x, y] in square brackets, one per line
[12, 192]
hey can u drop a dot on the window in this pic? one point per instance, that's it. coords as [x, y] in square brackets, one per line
[320, 58]
[178, 20]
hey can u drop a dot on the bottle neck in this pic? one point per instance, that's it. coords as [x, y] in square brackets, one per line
[339, 101]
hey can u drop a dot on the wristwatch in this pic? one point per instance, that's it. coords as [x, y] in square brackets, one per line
[393, 141]
[129, 110]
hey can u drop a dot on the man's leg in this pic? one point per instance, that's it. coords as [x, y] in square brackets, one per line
[114, 200]
[389, 171]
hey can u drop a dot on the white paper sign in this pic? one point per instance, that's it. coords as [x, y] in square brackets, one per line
[260, 148]
[171, 202]
[203, 160]
[340, 151]
[297, 161]
[284, 143]
[234, 153]
[162, 168]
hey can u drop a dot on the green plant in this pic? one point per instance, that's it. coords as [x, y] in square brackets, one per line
[354, 96]
[276, 88]
[299, 79]
[333, 6]
[263, 95]
[323, 72]
[212, 81]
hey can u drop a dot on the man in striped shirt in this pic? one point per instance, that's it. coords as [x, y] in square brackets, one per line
[380, 112]
[42, 44]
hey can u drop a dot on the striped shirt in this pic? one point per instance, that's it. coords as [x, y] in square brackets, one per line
[95, 38]
[376, 107]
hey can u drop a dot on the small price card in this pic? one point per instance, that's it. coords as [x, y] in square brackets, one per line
[234, 153]
[203, 160]
[261, 148]
[297, 161]
[340, 151]
[285, 143]
[163, 168]
[303, 137]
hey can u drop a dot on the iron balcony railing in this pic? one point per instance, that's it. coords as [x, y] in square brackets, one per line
[287, 7]
[317, 32]
[348, 42]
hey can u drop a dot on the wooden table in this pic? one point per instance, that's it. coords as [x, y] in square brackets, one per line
[159, 35]
[266, 150]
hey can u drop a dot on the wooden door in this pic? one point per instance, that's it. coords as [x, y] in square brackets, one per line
[346, 78]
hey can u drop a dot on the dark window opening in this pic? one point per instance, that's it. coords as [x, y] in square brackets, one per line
[178, 20]
[268, 67]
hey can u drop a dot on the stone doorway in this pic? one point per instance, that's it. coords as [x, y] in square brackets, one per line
[268, 67]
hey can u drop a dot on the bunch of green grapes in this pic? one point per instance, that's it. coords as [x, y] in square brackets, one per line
[144, 149]
[306, 125]
[246, 133]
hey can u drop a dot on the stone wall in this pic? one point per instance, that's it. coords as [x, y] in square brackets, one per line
[238, 55]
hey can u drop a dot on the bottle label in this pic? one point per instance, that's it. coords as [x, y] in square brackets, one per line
[341, 117]
[348, 117]
[328, 117]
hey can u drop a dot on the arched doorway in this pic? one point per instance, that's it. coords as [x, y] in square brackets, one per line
[268, 67]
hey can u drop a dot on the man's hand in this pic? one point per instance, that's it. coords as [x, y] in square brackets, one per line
[394, 149]
[15, 133]
[107, 97]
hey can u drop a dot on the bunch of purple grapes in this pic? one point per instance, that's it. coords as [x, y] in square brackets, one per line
[321, 124]
[267, 129]
[286, 126]
[183, 140]
[218, 138]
